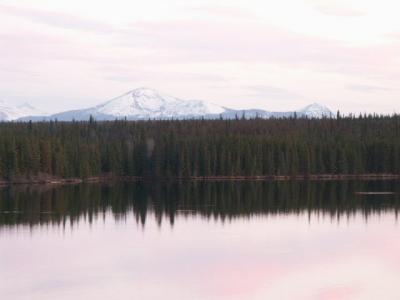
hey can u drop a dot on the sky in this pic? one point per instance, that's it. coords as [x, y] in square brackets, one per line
[273, 55]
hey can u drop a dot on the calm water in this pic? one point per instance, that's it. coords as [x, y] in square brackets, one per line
[200, 241]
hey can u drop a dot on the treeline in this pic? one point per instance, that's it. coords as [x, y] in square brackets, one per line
[197, 148]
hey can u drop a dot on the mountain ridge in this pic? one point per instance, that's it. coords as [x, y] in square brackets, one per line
[10, 112]
[145, 103]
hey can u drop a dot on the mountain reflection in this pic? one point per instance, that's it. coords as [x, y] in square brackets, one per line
[40, 205]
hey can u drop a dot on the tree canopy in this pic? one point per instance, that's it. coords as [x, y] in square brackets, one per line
[188, 148]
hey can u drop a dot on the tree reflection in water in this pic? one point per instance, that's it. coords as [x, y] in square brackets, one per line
[40, 205]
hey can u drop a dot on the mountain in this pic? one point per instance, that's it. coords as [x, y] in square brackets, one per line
[14, 112]
[315, 110]
[144, 104]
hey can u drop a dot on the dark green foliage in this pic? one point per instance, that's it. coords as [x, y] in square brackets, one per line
[239, 147]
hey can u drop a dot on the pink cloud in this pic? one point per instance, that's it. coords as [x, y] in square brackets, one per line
[191, 41]
[57, 19]
[336, 8]
[339, 11]
[225, 11]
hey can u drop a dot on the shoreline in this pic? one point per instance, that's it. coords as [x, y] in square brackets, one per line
[115, 179]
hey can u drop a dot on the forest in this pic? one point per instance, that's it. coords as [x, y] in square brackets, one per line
[201, 148]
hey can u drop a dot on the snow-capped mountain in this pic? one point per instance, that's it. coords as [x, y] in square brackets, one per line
[144, 104]
[14, 112]
[315, 110]
[147, 103]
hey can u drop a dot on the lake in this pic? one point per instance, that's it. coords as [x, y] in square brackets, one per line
[201, 240]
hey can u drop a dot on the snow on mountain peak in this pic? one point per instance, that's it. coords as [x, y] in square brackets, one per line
[148, 103]
[10, 112]
[26, 105]
[145, 103]
[316, 110]
[144, 92]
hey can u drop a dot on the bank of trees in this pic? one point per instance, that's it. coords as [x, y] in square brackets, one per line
[366, 144]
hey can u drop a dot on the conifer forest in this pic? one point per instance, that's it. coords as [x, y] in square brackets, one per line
[201, 148]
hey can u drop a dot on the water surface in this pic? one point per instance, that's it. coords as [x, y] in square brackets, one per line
[250, 240]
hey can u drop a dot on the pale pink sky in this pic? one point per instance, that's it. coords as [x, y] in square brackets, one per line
[275, 55]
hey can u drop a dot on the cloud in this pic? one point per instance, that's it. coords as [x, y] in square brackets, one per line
[225, 11]
[120, 73]
[271, 92]
[336, 8]
[57, 19]
[368, 88]
[226, 41]
[394, 36]
[130, 76]
[339, 11]
[196, 41]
